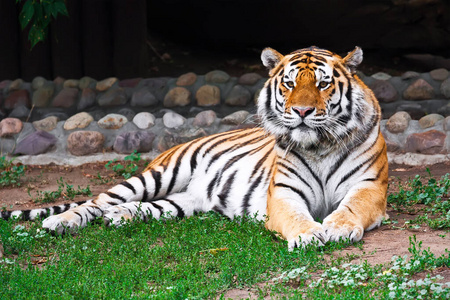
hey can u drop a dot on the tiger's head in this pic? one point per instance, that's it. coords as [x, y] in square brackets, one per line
[313, 97]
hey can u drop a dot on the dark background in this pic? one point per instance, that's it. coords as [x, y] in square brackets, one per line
[139, 38]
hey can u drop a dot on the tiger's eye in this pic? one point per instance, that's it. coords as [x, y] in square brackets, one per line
[290, 84]
[323, 84]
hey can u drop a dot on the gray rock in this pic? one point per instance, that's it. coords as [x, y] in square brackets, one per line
[85, 142]
[36, 143]
[430, 120]
[236, 118]
[249, 79]
[86, 82]
[60, 115]
[71, 83]
[398, 122]
[173, 120]
[143, 97]
[105, 84]
[127, 142]
[444, 110]
[170, 139]
[80, 120]
[156, 85]
[20, 112]
[439, 74]
[419, 90]
[381, 76]
[428, 142]
[42, 96]
[416, 111]
[410, 75]
[384, 91]
[47, 124]
[208, 95]
[113, 97]
[204, 118]
[16, 85]
[447, 124]
[112, 121]
[10, 126]
[239, 96]
[144, 120]
[38, 82]
[178, 96]
[66, 98]
[16, 98]
[217, 76]
[187, 79]
[87, 99]
[97, 114]
[445, 88]
[127, 112]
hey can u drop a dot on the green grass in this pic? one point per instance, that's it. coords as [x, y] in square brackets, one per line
[194, 258]
[206, 255]
[10, 174]
[64, 190]
[128, 168]
[428, 196]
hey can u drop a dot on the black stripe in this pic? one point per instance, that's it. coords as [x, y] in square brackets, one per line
[199, 147]
[252, 188]
[180, 212]
[57, 210]
[26, 215]
[298, 192]
[157, 177]
[142, 179]
[220, 154]
[295, 173]
[212, 184]
[158, 207]
[115, 196]
[372, 158]
[176, 168]
[6, 214]
[226, 188]
[129, 186]
[91, 213]
[78, 214]
[261, 161]
[316, 177]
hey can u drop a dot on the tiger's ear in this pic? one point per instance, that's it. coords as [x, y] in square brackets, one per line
[270, 58]
[353, 59]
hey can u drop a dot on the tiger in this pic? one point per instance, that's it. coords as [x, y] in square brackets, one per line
[314, 171]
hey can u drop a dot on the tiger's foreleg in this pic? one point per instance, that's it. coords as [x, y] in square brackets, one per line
[176, 205]
[288, 214]
[363, 208]
[137, 188]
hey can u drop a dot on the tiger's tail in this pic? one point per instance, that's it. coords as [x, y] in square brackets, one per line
[39, 213]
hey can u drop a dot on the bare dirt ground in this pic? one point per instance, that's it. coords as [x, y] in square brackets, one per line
[379, 244]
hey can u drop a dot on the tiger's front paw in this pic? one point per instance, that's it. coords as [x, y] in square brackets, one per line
[343, 225]
[115, 215]
[59, 224]
[309, 233]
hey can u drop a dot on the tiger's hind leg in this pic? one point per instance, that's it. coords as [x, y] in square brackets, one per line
[176, 205]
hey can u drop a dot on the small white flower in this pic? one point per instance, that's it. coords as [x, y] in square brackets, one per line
[392, 295]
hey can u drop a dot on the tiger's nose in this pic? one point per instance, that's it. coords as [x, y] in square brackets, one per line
[303, 111]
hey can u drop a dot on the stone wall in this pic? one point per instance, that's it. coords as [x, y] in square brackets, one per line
[85, 117]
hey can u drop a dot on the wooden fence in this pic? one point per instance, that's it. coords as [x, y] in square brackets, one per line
[100, 38]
